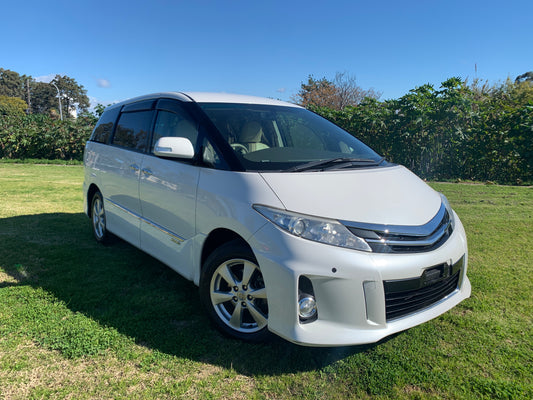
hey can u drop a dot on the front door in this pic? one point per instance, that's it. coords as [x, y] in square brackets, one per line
[168, 194]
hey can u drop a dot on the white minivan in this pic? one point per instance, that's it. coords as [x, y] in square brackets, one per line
[287, 223]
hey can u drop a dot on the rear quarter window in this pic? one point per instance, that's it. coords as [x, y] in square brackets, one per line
[105, 125]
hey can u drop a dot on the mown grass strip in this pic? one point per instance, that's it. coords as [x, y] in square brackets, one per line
[79, 320]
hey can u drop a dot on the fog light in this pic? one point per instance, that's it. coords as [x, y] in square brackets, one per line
[307, 307]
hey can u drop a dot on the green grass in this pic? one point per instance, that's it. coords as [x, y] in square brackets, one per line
[79, 320]
[39, 161]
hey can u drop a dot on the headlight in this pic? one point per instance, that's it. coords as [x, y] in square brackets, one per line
[313, 228]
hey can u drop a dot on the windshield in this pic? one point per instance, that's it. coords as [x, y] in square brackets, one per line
[266, 137]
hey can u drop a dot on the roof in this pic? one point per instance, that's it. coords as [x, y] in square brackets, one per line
[206, 97]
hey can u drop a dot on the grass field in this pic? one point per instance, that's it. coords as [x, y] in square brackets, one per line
[79, 320]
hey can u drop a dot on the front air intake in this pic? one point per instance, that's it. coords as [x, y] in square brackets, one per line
[407, 296]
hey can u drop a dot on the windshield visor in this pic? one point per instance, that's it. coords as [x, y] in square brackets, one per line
[266, 137]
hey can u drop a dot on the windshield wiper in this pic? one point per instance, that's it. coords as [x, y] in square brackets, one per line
[354, 163]
[335, 163]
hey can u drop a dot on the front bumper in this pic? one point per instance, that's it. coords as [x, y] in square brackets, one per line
[348, 286]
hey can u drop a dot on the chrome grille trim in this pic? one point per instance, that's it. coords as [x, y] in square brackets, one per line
[405, 238]
[411, 230]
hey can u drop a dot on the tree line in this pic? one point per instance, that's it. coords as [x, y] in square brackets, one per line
[461, 130]
[30, 123]
[21, 94]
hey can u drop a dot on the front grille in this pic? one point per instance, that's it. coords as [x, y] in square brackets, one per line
[405, 239]
[406, 296]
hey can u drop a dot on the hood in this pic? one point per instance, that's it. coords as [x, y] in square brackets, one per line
[389, 195]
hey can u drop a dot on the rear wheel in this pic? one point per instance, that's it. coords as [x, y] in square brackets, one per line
[98, 219]
[234, 293]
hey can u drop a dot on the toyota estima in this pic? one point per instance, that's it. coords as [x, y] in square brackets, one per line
[287, 223]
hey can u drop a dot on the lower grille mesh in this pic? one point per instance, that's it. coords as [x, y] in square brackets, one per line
[403, 302]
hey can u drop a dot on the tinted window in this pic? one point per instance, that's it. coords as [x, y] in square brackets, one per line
[174, 124]
[266, 137]
[104, 128]
[302, 136]
[133, 129]
[211, 157]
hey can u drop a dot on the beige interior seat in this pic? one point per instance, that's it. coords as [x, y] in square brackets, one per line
[251, 136]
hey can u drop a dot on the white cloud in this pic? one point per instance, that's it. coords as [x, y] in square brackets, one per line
[45, 78]
[95, 101]
[103, 83]
[281, 90]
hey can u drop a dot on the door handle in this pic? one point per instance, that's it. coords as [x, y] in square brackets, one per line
[146, 171]
[134, 167]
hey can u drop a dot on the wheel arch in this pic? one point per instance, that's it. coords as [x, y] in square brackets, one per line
[217, 238]
[90, 193]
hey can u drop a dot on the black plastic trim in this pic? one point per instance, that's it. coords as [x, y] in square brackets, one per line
[406, 296]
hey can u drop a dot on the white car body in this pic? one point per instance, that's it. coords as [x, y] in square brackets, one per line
[170, 209]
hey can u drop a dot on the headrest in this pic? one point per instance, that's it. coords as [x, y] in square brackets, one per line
[251, 132]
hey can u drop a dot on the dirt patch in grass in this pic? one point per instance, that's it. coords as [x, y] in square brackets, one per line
[6, 279]
[30, 371]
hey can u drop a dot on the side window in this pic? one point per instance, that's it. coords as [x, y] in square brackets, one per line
[104, 127]
[174, 124]
[132, 130]
[211, 157]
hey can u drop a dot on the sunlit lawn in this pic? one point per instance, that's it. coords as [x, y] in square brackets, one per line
[79, 320]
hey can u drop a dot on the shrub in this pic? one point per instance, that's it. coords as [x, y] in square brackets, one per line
[40, 136]
[12, 106]
[457, 132]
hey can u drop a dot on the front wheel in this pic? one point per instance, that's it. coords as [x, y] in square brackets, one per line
[234, 293]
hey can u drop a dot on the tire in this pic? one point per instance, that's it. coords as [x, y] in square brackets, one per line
[98, 219]
[233, 292]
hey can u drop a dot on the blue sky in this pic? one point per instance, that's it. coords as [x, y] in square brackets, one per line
[121, 49]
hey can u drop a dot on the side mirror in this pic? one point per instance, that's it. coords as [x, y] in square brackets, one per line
[174, 147]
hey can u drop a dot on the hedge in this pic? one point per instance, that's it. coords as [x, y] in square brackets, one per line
[42, 137]
[453, 133]
[457, 132]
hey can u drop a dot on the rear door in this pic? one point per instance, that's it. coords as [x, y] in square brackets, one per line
[123, 161]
